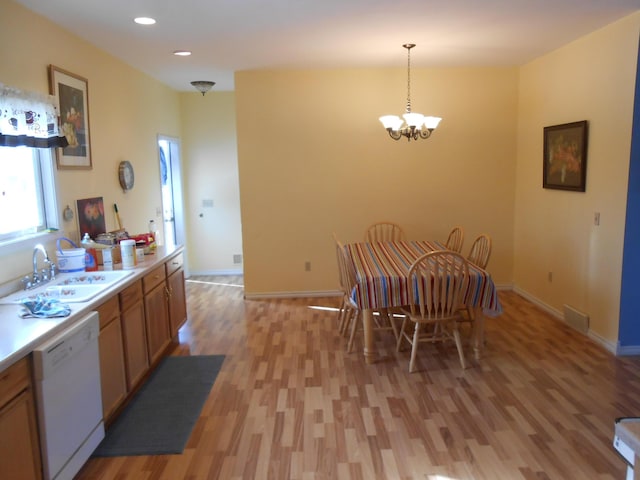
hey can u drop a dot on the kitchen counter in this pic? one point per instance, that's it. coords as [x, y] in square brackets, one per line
[19, 336]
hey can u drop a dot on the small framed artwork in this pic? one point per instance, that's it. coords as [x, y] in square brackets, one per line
[565, 156]
[72, 93]
[91, 216]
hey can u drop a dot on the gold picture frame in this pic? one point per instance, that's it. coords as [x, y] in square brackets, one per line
[565, 156]
[72, 93]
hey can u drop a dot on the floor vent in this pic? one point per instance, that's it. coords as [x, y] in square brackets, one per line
[237, 259]
[576, 319]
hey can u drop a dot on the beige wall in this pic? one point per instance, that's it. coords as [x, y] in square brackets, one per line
[209, 147]
[127, 111]
[314, 159]
[590, 79]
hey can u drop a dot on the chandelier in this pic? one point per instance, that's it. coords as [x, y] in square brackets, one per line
[203, 86]
[414, 125]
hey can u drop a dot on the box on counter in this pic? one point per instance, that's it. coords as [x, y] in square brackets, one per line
[114, 252]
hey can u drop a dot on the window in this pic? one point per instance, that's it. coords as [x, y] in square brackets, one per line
[27, 193]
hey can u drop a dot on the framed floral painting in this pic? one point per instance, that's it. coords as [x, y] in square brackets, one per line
[565, 156]
[72, 93]
[91, 216]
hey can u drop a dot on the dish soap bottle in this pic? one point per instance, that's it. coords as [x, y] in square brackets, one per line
[90, 254]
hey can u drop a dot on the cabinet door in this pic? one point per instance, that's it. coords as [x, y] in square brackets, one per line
[19, 443]
[135, 343]
[157, 321]
[177, 301]
[112, 369]
[112, 365]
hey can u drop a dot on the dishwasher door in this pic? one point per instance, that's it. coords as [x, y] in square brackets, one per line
[68, 395]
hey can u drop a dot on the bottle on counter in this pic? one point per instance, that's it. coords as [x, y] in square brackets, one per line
[155, 233]
[90, 254]
[128, 253]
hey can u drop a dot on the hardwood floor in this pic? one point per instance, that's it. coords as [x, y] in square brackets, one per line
[290, 403]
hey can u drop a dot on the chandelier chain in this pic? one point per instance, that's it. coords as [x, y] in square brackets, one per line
[408, 109]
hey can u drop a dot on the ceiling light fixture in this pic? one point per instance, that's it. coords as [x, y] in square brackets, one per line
[144, 20]
[182, 53]
[415, 125]
[203, 86]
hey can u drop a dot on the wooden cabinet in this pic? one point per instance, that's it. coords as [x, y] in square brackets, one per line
[133, 333]
[177, 294]
[112, 360]
[156, 313]
[136, 327]
[19, 442]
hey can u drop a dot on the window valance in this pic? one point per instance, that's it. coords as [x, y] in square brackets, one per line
[29, 119]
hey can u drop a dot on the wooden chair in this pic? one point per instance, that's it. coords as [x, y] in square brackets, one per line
[349, 315]
[437, 282]
[478, 255]
[480, 251]
[384, 232]
[349, 310]
[455, 239]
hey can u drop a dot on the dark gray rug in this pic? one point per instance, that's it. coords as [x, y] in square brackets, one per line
[160, 417]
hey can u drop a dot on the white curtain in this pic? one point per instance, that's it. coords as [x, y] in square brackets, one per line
[28, 118]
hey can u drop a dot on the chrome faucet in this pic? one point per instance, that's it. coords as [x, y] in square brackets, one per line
[39, 277]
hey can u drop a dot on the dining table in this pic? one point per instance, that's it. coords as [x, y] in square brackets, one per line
[382, 282]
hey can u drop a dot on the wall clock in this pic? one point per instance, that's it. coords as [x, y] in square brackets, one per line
[125, 175]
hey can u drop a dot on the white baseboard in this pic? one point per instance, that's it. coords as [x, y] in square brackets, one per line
[312, 294]
[233, 271]
[627, 350]
[558, 315]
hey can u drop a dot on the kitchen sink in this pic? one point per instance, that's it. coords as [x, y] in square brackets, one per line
[106, 278]
[71, 287]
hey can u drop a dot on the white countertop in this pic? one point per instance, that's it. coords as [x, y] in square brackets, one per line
[19, 336]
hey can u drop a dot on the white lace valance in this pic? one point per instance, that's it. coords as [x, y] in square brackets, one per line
[28, 118]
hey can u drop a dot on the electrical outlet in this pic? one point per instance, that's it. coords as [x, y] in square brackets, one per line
[307, 266]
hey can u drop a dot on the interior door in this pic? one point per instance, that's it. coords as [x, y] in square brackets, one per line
[171, 184]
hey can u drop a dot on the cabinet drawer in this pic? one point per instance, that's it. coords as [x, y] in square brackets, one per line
[174, 264]
[108, 311]
[153, 278]
[14, 379]
[130, 296]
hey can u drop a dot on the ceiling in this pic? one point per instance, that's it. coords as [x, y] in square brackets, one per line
[231, 35]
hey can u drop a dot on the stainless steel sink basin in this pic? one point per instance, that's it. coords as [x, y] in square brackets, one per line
[71, 287]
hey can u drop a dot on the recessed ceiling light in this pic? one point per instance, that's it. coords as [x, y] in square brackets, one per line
[144, 21]
[182, 53]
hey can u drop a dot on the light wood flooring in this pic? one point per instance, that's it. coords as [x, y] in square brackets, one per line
[290, 403]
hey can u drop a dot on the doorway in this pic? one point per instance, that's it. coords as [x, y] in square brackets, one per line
[171, 186]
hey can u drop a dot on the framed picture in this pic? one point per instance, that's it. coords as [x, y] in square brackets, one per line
[565, 156]
[72, 93]
[91, 216]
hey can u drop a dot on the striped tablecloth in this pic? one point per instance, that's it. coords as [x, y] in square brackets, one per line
[382, 270]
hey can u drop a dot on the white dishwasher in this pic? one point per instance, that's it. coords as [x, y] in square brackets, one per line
[69, 399]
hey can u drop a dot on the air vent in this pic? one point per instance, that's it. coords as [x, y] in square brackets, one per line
[576, 319]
